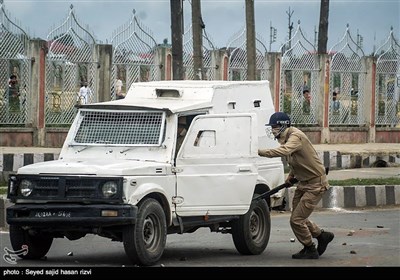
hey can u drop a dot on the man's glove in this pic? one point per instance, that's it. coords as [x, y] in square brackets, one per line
[290, 181]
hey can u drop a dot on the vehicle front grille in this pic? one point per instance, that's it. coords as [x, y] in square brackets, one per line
[61, 188]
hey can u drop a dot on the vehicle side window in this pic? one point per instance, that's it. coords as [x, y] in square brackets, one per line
[205, 138]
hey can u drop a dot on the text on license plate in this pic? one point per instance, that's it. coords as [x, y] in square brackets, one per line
[44, 214]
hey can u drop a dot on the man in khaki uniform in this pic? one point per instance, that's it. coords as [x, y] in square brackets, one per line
[308, 169]
[182, 130]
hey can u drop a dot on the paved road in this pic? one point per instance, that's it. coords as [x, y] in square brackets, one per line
[362, 238]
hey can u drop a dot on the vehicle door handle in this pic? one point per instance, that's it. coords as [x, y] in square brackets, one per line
[244, 168]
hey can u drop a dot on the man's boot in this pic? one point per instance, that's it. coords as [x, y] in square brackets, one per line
[323, 240]
[308, 252]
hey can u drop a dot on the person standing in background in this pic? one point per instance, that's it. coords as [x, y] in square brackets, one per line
[335, 100]
[306, 101]
[13, 94]
[84, 94]
[118, 89]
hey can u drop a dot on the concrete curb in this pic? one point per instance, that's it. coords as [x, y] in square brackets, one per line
[354, 196]
[346, 160]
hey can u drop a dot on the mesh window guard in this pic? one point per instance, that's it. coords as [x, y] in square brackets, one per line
[139, 128]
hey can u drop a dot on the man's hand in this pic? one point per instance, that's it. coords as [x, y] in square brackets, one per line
[288, 179]
[262, 152]
[291, 180]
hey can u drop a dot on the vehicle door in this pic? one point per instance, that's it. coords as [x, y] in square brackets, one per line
[216, 170]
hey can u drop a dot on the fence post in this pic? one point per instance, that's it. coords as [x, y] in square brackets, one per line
[273, 60]
[104, 53]
[324, 97]
[217, 62]
[369, 91]
[37, 51]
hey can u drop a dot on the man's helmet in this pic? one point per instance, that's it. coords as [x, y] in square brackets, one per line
[280, 120]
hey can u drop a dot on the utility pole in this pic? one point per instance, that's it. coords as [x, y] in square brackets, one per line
[272, 35]
[176, 35]
[251, 41]
[374, 48]
[323, 27]
[360, 40]
[290, 13]
[197, 29]
[315, 36]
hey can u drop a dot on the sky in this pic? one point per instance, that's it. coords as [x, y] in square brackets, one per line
[371, 19]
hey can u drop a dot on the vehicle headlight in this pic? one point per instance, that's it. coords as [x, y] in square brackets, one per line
[109, 189]
[26, 187]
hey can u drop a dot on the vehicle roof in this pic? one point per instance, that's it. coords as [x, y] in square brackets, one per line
[193, 95]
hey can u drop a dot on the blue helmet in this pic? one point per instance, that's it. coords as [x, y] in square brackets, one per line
[279, 118]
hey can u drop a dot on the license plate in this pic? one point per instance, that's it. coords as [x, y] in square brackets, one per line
[52, 214]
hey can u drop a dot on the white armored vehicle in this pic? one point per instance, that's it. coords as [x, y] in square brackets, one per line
[121, 175]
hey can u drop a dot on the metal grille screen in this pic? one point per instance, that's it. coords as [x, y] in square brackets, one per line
[120, 128]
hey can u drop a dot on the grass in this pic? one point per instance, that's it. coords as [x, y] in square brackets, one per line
[366, 181]
[389, 181]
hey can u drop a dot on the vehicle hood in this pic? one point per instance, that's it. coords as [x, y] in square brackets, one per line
[96, 167]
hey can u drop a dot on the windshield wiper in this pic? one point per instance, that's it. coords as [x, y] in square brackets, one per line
[84, 148]
[125, 150]
[75, 145]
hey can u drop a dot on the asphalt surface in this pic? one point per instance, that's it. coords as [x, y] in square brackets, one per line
[367, 238]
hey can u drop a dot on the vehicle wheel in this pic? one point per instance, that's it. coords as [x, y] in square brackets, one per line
[37, 245]
[251, 231]
[145, 241]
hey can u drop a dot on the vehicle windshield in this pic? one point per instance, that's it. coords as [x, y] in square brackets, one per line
[119, 128]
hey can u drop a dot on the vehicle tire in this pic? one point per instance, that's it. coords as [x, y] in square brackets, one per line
[145, 241]
[252, 230]
[37, 245]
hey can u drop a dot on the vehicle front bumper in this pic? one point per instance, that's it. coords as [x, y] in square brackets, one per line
[71, 215]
